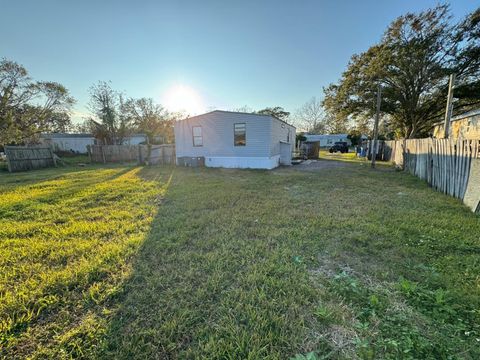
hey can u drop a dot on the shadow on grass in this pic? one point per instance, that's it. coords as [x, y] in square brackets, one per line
[51, 189]
[215, 277]
[223, 273]
[128, 335]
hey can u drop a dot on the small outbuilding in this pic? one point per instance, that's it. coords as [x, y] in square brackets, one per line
[135, 139]
[75, 143]
[234, 140]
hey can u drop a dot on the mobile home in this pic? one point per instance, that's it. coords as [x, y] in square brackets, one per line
[234, 140]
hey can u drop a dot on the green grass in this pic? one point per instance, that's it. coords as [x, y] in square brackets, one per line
[324, 154]
[130, 262]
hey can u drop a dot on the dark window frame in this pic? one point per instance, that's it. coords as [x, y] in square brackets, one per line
[197, 136]
[238, 142]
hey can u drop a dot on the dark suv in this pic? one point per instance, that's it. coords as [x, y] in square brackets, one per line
[341, 146]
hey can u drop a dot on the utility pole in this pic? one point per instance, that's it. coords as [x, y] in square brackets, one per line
[449, 109]
[375, 127]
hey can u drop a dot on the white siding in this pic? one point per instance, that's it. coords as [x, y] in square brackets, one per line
[263, 136]
[281, 131]
[217, 132]
[76, 144]
[328, 140]
[135, 139]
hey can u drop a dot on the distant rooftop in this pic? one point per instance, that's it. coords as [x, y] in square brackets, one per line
[466, 115]
[65, 135]
[460, 117]
[239, 113]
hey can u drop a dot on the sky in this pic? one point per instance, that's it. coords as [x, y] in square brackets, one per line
[198, 55]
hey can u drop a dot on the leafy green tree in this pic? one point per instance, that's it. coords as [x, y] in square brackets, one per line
[27, 107]
[412, 63]
[355, 137]
[336, 123]
[276, 111]
[150, 118]
[108, 124]
[467, 61]
[299, 137]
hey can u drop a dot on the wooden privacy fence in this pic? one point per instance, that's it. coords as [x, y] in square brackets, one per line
[143, 154]
[21, 158]
[450, 166]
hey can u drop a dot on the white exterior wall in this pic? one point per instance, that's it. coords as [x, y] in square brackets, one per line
[135, 139]
[328, 140]
[282, 133]
[77, 144]
[260, 152]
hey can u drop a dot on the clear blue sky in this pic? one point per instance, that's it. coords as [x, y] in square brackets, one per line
[232, 53]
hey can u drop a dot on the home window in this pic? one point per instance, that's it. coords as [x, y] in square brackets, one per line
[239, 134]
[197, 136]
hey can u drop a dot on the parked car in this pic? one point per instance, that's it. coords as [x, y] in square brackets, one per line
[341, 146]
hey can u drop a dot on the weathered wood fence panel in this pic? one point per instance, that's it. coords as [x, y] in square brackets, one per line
[22, 158]
[161, 154]
[142, 154]
[444, 163]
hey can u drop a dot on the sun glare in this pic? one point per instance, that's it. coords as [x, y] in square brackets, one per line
[183, 98]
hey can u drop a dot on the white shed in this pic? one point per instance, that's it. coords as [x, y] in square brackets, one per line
[68, 142]
[135, 139]
[235, 140]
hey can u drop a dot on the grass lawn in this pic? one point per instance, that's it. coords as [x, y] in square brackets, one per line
[132, 263]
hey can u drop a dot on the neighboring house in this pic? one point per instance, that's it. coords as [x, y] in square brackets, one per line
[135, 139]
[76, 143]
[328, 139]
[465, 126]
[234, 140]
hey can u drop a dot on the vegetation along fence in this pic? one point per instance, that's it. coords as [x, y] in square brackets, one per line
[143, 154]
[21, 158]
[450, 166]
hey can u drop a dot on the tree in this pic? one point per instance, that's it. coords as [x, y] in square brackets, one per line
[84, 127]
[27, 107]
[299, 137]
[355, 137]
[106, 103]
[244, 109]
[276, 111]
[467, 61]
[335, 124]
[412, 63]
[149, 118]
[311, 117]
